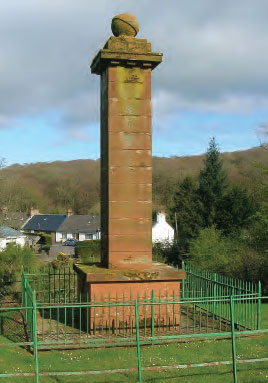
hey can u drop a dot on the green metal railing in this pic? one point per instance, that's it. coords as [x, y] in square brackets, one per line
[203, 284]
[65, 319]
[54, 284]
[140, 339]
[201, 308]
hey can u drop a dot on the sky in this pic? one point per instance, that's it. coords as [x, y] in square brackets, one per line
[213, 81]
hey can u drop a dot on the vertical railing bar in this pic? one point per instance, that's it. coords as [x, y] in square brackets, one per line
[259, 307]
[138, 341]
[116, 313]
[124, 324]
[173, 313]
[159, 313]
[109, 314]
[80, 314]
[35, 339]
[145, 313]
[152, 314]
[166, 305]
[65, 317]
[130, 314]
[94, 315]
[233, 340]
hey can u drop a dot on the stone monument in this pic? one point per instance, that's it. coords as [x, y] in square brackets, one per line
[125, 65]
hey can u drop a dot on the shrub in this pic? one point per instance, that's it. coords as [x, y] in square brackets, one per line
[62, 260]
[88, 251]
[45, 248]
[214, 252]
[167, 253]
[11, 261]
[46, 239]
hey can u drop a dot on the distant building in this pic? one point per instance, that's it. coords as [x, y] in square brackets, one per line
[12, 219]
[80, 227]
[9, 235]
[64, 226]
[45, 223]
[161, 230]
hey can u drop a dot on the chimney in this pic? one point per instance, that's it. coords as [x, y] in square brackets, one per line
[33, 211]
[69, 212]
[161, 216]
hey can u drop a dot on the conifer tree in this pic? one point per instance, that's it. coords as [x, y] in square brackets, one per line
[212, 183]
[186, 213]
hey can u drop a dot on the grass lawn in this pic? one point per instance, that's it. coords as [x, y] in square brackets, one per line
[16, 359]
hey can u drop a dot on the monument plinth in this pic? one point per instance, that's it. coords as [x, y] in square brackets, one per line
[125, 65]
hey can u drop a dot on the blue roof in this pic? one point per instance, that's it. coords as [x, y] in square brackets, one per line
[45, 222]
[7, 232]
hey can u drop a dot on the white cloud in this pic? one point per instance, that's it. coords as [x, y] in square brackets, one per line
[215, 55]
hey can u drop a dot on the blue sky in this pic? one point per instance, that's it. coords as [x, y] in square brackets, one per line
[213, 80]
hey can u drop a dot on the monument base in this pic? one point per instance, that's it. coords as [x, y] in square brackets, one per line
[156, 289]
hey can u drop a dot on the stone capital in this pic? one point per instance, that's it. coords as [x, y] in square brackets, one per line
[125, 51]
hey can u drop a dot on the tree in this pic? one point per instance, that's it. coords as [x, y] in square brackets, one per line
[212, 184]
[186, 213]
[235, 210]
[242, 256]
[257, 233]
[262, 134]
[214, 252]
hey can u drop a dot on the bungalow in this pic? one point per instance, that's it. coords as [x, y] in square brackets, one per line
[45, 223]
[64, 226]
[9, 235]
[79, 227]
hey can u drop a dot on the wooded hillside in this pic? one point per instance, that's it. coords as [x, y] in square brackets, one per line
[54, 187]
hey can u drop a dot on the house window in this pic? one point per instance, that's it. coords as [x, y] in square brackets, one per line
[64, 236]
[89, 236]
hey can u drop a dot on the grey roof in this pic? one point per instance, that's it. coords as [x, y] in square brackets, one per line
[7, 232]
[80, 224]
[13, 219]
[45, 222]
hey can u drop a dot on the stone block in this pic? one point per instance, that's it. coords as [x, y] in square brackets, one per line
[132, 141]
[126, 226]
[130, 242]
[132, 157]
[125, 107]
[130, 175]
[130, 192]
[141, 209]
[130, 124]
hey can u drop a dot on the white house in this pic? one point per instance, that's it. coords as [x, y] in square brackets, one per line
[162, 231]
[9, 235]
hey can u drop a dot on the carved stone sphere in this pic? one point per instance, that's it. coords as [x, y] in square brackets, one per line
[125, 25]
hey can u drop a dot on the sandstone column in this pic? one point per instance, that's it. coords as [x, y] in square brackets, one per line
[125, 65]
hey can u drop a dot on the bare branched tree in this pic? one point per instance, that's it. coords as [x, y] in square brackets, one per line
[262, 134]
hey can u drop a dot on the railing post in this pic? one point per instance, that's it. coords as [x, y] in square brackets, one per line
[138, 340]
[26, 300]
[183, 281]
[214, 293]
[152, 312]
[35, 339]
[259, 307]
[233, 340]
[22, 287]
